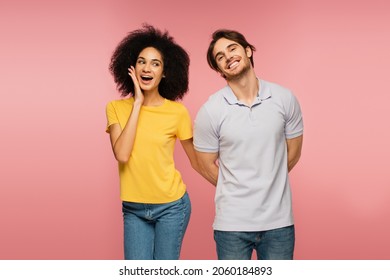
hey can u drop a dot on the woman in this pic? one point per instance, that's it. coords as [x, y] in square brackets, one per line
[150, 66]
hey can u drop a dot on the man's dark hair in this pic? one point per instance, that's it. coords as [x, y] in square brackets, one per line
[230, 35]
[175, 60]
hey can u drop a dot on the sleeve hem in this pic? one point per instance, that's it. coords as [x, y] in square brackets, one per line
[108, 126]
[206, 150]
[294, 134]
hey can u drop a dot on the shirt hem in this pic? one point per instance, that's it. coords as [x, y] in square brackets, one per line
[152, 201]
[245, 228]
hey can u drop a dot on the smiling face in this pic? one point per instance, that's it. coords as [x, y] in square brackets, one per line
[232, 59]
[149, 69]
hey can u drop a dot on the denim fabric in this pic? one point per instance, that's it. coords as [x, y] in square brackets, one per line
[275, 244]
[155, 231]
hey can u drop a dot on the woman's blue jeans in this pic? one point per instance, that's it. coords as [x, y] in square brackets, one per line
[275, 244]
[155, 231]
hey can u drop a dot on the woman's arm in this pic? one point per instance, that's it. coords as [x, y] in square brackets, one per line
[190, 152]
[122, 141]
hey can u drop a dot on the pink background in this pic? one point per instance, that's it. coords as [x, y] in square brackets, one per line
[59, 194]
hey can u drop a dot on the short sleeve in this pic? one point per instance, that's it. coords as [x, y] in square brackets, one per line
[206, 138]
[111, 116]
[294, 121]
[184, 128]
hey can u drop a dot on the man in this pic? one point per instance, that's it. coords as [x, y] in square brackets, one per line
[248, 136]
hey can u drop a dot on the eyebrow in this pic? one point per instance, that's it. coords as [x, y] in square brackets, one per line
[218, 53]
[154, 59]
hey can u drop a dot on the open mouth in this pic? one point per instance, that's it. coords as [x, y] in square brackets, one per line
[146, 78]
[233, 64]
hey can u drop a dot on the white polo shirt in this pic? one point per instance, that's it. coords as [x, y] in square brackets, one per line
[253, 189]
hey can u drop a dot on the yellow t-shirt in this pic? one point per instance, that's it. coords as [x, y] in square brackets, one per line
[150, 175]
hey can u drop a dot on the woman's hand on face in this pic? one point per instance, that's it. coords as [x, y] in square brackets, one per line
[138, 95]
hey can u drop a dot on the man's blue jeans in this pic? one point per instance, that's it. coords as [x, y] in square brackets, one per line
[275, 244]
[155, 231]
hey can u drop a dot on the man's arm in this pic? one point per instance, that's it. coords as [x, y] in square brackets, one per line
[294, 147]
[208, 168]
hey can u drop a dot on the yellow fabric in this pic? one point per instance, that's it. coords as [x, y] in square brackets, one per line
[150, 175]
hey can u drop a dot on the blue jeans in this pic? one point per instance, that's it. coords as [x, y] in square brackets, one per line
[275, 244]
[155, 231]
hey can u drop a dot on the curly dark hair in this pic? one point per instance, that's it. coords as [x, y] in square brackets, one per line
[230, 35]
[175, 60]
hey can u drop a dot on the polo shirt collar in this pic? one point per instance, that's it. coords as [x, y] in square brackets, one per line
[263, 94]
